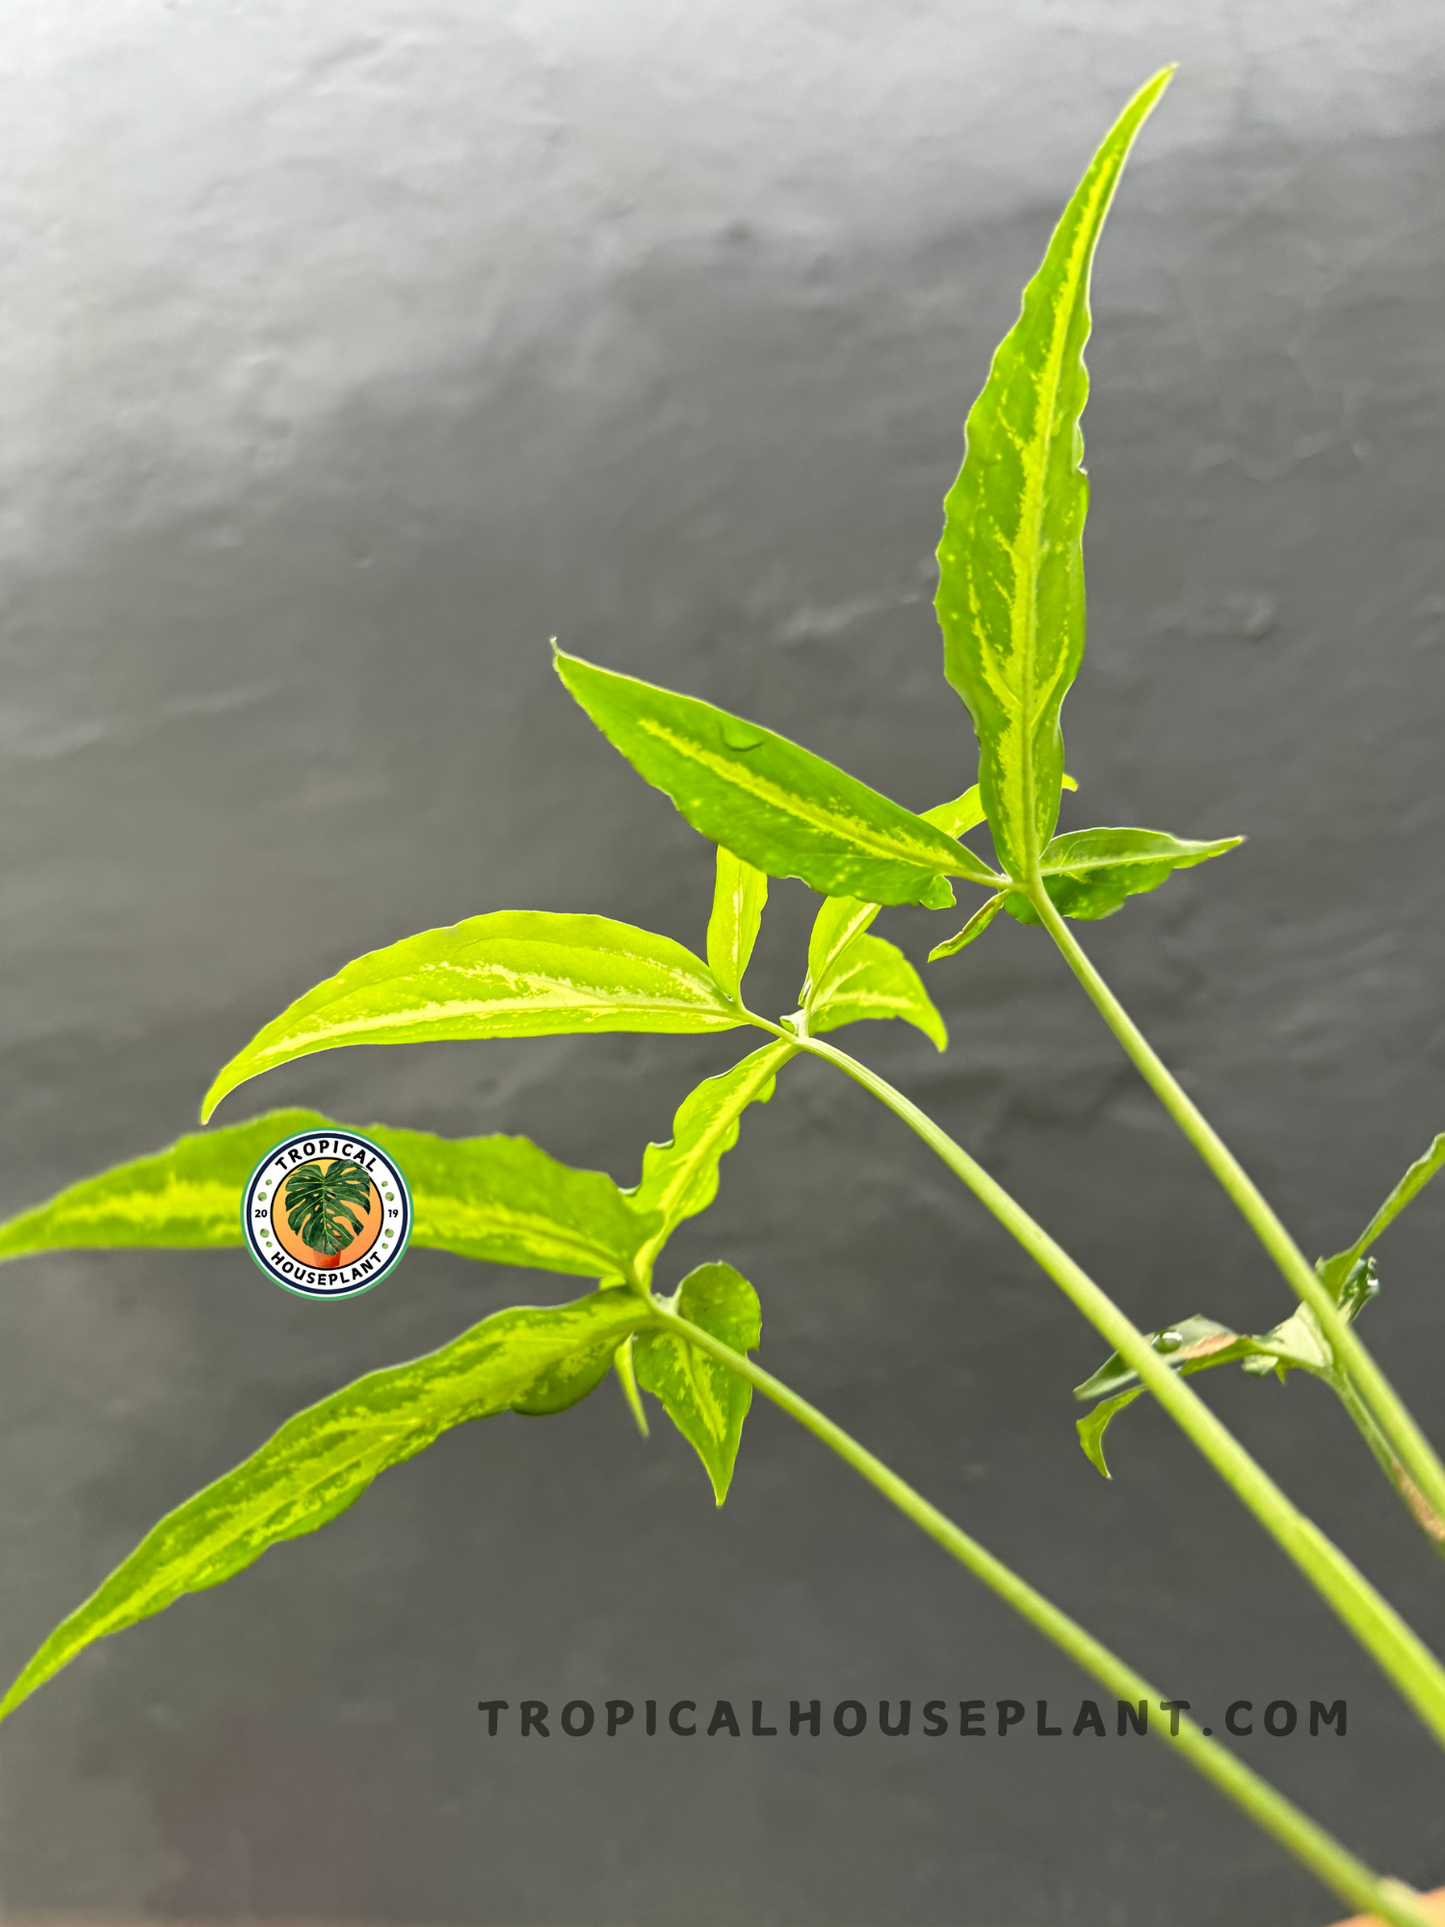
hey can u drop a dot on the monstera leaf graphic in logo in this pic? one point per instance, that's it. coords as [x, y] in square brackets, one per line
[318, 1205]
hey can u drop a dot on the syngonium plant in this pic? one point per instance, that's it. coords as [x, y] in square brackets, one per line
[1011, 607]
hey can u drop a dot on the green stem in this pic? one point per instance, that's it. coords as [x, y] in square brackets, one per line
[1419, 1508]
[1319, 1851]
[1398, 1651]
[1411, 1447]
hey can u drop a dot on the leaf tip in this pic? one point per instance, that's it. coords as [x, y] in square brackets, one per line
[1092, 1447]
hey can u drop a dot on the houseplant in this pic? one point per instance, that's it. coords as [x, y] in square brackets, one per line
[1011, 607]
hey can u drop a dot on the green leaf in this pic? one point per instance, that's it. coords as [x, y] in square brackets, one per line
[971, 931]
[505, 1201]
[680, 1178]
[515, 973]
[526, 1359]
[1093, 1425]
[1192, 1341]
[1011, 573]
[964, 813]
[737, 914]
[705, 1401]
[189, 1195]
[496, 1198]
[1295, 1344]
[1090, 872]
[319, 1203]
[778, 806]
[840, 920]
[872, 978]
[1336, 1270]
[627, 1379]
[1198, 1345]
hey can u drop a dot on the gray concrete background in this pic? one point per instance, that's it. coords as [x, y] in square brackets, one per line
[349, 352]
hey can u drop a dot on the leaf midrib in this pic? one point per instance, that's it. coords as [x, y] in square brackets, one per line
[840, 824]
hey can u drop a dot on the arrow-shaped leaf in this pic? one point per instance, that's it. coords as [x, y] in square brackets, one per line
[526, 1359]
[515, 973]
[781, 808]
[1011, 572]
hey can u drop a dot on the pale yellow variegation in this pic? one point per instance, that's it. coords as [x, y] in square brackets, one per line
[1011, 573]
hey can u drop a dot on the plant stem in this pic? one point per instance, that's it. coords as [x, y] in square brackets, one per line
[1415, 1502]
[1319, 1851]
[1410, 1445]
[1398, 1651]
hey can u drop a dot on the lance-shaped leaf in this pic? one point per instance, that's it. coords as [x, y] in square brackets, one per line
[680, 1178]
[496, 1198]
[872, 978]
[964, 813]
[971, 931]
[188, 1195]
[777, 805]
[515, 973]
[840, 920]
[739, 894]
[526, 1359]
[705, 1401]
[1335, 1271]
[1011, 571]
[1089, 873]
[504, 1200]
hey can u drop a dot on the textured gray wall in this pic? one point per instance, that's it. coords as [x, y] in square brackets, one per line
[350, 351]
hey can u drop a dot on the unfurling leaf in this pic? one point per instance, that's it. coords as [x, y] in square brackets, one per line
[680, 1178]
[1089, 873]
[971, 931]
[872, 978]
[526, 1359]
[705, 1401]
[1011, 572]
[739, 895]
[781, 808]
[1335, 1271]
[515, 973]
[499, 1199]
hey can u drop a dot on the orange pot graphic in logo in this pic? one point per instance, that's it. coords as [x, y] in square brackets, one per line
[327, 1214]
